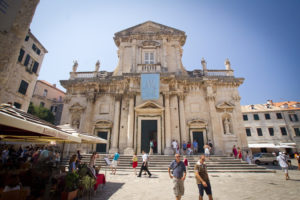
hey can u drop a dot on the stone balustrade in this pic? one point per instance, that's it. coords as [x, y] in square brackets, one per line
[146, 68]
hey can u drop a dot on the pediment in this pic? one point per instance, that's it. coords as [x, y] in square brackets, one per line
[77, 108]
[149, 105]
[103, 123]
[149, 28]
[225, 105]
[197, 123]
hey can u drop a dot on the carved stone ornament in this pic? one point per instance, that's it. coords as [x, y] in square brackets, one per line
[225, 106]
[197, 123]
[77, 108]
[150, 43]
[103, 124]
[149, 107]
[75, 65]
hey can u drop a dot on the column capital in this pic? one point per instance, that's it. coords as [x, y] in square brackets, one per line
[118, 97]
[181, 96]
[166, 94]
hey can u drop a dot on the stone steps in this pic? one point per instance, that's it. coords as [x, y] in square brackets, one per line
[160, 163]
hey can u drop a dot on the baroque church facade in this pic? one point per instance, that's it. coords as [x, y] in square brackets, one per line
[201, 105]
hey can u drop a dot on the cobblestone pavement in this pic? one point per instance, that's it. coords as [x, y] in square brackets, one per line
[225, 186]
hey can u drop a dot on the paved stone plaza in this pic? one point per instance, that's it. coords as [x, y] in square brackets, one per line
[225, 186]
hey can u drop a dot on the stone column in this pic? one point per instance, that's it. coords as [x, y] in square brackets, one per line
[182, 119]
[129, 149]
[168, 150]
[115, 131]
[215, 128]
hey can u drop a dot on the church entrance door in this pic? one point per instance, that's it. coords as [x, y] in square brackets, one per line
[148, 133]
[198, 136]
[101, 148]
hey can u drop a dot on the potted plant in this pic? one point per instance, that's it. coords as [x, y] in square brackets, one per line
[71, 186]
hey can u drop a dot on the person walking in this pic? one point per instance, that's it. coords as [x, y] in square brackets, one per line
[174, 146]
[202, 178]
[189, 148]
[151, 147]
[282, 159]
[178, 175]
[248, 157]
[134, 162]
[234, 152]
[297, 156]
[195, 146]
[186, 164]
[177, 147]
[144, 165]
[184, 147]
[114, 163]
[206, 151]
[239, 153]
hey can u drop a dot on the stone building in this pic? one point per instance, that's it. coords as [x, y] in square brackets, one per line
[202, 104]
[50, 97]
[15, 19]
[272, 126]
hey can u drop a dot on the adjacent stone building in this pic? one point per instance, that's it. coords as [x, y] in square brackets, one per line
[16, 80]
[272, 126]
[49, 96]
[202, 104]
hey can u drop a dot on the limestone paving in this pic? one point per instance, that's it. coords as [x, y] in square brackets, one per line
[225, 186]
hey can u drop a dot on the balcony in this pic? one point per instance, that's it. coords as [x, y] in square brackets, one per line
[148, 68]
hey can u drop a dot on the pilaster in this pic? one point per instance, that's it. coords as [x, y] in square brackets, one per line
[168, 150]
[129, 150]
[115, 131]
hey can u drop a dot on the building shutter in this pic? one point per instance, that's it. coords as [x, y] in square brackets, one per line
[35, 67]
[27, 60]
[21, 55]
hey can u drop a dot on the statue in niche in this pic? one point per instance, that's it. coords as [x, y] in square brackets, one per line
[227, 125]
[75, 124]
[75, 65]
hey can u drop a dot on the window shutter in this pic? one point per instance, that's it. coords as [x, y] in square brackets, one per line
[35, 67]
[27, 60]
[21, 55]
[296, 117]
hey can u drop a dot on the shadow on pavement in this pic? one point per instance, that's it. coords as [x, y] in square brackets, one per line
[108, 190]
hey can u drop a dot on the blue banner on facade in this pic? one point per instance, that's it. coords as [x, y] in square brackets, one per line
[150, 86]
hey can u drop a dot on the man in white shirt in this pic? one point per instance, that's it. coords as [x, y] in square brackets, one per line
[144, 165]
[174, 146]
[282, 159]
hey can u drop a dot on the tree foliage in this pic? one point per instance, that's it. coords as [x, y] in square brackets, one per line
[41, 112]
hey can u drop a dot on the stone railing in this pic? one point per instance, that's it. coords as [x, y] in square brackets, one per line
[146, 68]
[84, 75]
[218, 73]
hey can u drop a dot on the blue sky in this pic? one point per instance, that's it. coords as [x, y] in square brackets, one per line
[261, 38]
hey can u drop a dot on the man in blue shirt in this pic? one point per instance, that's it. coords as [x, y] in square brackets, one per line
[114, 163]
[195, 146]
[178, 175]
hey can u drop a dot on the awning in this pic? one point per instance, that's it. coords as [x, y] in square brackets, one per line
[85, 138]
[16, 125]
[268, 145]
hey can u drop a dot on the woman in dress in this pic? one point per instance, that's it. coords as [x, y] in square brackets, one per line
[134, 162]
[234, 151]
[239, 153]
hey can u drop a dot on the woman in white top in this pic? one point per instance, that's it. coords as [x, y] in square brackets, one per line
[282, 159]
[207, 151]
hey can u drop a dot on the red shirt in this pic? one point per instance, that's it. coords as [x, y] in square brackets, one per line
[188, 145]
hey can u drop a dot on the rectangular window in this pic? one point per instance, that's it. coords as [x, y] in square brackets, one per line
[283, 130]
[248, 132]
[245, 117]
[21, 55]
[27, 60]
[42, 104]
[278, 115]
[45, 93]
[267, 116]
[293, 117]
[255, 116]
[36, 49]
[23, 87]
[17, 105]
[149, 58]
[27, 38]
[297, 131]
[35, 67]
[271, 131]
[259, 132]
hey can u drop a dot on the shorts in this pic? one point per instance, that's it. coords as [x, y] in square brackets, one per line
[178, 187]
[114, 163]
[207, 189]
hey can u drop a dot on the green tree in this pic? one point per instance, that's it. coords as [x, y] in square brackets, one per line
[41, 112]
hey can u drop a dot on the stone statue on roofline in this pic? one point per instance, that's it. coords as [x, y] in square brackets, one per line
[227, 64]
[75, 65]
[97, 66]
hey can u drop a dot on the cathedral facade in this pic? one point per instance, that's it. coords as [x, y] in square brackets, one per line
[201, 105]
